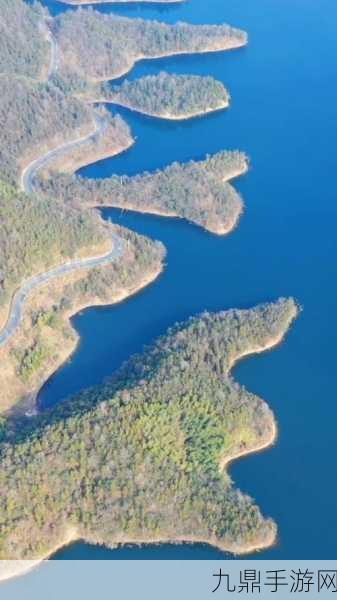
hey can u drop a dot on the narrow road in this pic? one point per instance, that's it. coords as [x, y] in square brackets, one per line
[30, 284]
[27, 185]
[28, 174]
[27, 181]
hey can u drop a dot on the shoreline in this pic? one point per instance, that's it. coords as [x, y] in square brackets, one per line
[120, 541]
[157, 212]
[16, 568]
[272, 436]
[39, 162]
[268, 442]
[22, 568]
[69, 164]
[64, 265]
[164, 116]
[270, 439]
[141, 57]
[66, 160]
[68, 156]
[29, 403]
[229, 547]
[272, 344]
[218, 230]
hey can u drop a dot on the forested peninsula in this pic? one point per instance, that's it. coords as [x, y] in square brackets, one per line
[48, 129]
[167, 96]
[39, 114]
[99, 47]
[38, 233]
[197, 191]
[141, 458]
[37, 118]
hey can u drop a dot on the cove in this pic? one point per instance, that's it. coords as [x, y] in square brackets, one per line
[283, 114]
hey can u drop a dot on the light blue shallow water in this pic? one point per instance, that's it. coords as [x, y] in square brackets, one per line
[284, 115]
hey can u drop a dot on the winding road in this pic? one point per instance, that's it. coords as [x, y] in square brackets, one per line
[100, 124]
[28, 174]
[27, 181]
[35, 281]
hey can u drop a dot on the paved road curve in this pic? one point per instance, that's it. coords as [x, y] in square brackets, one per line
[28, 174]
[30, 284]
[27, 181]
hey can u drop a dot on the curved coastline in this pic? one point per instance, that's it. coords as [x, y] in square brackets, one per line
[18, 300]
[13, 569]
[30, 406]
[271, 436]
[20, 296]
[28, 173]
[72, 535]
[164, 115]
[255, 545]
[141, 57]
[219, 229]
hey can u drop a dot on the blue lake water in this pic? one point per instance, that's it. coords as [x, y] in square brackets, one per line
[284, 115]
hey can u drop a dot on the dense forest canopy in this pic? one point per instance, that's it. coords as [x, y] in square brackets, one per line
[100, 46]
[24, 50]
[37, 232]
[45, 337]
[196, 191]
[31, 115]
[169, 95]
[138, 457]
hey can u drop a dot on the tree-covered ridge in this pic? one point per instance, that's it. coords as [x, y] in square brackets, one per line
[137, 459]
[99, 46]
[31, 115]
[24, 49]
[36, 233]
[170, 96]
[196, 191]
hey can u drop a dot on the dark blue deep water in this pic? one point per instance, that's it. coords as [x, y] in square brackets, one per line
[284, 115]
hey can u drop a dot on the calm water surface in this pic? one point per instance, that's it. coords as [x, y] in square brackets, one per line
[284, 115]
